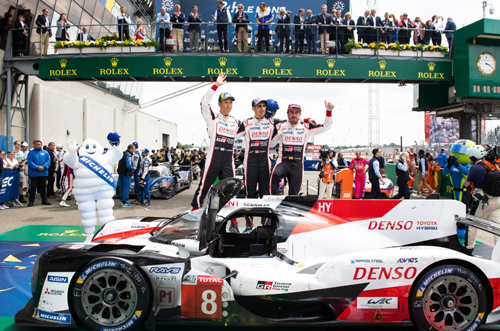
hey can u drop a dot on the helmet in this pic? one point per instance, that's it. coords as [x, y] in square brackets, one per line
[272, 108]
[477, 151]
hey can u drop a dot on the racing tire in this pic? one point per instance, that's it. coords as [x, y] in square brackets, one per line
[110, 293]
[448, 297]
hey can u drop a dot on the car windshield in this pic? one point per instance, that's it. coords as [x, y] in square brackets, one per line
[154, 173]
[185, 227]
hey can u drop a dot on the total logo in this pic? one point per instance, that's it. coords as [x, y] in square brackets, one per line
[408, 260]
[164, 270]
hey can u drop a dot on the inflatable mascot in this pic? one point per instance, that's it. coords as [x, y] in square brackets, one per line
[457, 168]
[94, 186]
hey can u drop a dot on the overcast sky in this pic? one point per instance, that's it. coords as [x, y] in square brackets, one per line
[350, 116]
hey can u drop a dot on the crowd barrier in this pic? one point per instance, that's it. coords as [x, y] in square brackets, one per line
[10, 185]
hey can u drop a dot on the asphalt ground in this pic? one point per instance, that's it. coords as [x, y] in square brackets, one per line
[18, 216]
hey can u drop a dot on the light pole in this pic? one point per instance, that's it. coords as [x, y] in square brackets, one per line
[485, 5]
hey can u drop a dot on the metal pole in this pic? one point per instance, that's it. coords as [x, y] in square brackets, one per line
[9, 106]
[401, 137]
[26, 109]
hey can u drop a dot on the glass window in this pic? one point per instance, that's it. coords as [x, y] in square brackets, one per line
[74, 14]
[80, 2]
[86, 19]
[107, 20]
[89, 5]
[51, 4]
[95, 29]
[63, 6]
[98, 11]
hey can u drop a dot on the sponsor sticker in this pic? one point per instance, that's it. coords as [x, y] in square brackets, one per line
[273, 286]
[57, 279]
[165, 278]
[384, 273]
[53, 292]
[191, 279]
[408, 260]
[52, 317]
[367, 261]
[126, 325]
[193, 216]
[431, 277]
[164, 270]
[477, 322]
[96, 266]
[377, 303]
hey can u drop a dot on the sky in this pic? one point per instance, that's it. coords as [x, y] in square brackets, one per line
[350, 116]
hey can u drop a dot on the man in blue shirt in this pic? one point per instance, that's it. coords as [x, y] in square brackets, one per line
[374, 174]
[163, 19]
[263, 18]
[442, 159]
[38, 169]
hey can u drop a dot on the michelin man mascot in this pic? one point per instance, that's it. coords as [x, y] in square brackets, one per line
[94, 186]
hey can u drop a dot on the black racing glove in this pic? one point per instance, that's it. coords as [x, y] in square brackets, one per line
[453, 161]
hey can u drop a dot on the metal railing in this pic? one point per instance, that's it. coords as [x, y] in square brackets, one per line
[208, 39]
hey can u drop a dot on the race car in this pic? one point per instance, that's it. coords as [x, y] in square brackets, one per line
[165, 181]
[312, 262]
[386, 189]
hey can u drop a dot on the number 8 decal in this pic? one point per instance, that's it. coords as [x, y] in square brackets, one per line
[209, 297]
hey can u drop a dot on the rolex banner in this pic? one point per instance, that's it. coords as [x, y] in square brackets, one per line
[10, 185]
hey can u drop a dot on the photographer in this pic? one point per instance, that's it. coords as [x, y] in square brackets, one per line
[326, 169]
[403, 176]
[486, 195]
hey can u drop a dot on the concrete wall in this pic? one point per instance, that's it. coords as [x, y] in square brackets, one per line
[60, 111]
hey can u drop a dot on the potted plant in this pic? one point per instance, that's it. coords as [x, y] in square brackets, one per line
[408, 50]
[357, 48]
[434, 51]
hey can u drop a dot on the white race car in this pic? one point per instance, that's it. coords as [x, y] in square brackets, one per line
[313, 262]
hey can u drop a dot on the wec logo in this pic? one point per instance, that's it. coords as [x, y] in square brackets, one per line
[382, 301]
[7, 181]
[164, 270]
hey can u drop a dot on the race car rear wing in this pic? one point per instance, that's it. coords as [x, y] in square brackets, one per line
[485, 225]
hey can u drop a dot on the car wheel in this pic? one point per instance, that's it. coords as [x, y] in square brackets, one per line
[171, 190]
[110, 293]
[448, 297]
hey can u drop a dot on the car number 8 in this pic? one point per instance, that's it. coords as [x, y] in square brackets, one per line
[209, 297]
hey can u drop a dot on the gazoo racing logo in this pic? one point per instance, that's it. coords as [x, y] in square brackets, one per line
[402, 225]
[164, 270]
[378, 273]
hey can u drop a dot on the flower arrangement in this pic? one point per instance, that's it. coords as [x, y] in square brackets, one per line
[396, 46]
[432, 48]
[352, 44]
[107, 41]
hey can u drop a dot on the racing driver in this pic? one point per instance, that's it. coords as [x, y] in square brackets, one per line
[292, 136]
[222, 129]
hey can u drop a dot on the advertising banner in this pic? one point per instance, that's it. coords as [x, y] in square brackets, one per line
[313, 150]
[10, 185]
[440, 130]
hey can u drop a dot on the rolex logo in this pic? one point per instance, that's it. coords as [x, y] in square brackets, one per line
[382, 64]
[222, 61]
[331, 63]
[431, 66]
[114, 62]
[63, 63]
[277, 62]
[168, 61]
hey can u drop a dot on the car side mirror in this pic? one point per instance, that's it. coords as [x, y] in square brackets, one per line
[185, 246]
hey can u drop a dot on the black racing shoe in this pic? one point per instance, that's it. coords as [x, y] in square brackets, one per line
[233, 228]
[248, 229]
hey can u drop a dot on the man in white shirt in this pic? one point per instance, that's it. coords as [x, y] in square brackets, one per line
[162, 19]
[122, 26]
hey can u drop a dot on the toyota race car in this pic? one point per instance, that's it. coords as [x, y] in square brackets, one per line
[306, 262]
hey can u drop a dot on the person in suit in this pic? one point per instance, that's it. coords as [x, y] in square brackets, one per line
[311, 31]
[448, 32]
[43, 28]
[339, 31]
[349, 28]
[84, 35]
[283, 30]
[62, 33]
[122, 24]
[178, 19]
[361, 24]
[223, 17]
[194, 29]
[324, 20]
[405, 26]
[373, 21]
[387, 31]
[241, 20]
[299, 31]
[20, 36]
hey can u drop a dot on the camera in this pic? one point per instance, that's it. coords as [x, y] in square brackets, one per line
[493, 154]
[492, 10]
[323, 154]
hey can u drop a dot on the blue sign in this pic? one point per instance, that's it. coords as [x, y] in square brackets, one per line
[207, 8]
[10, 185]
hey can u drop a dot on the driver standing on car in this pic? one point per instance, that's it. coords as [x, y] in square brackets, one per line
[144, 197]
[222, 129]
[291, 138]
